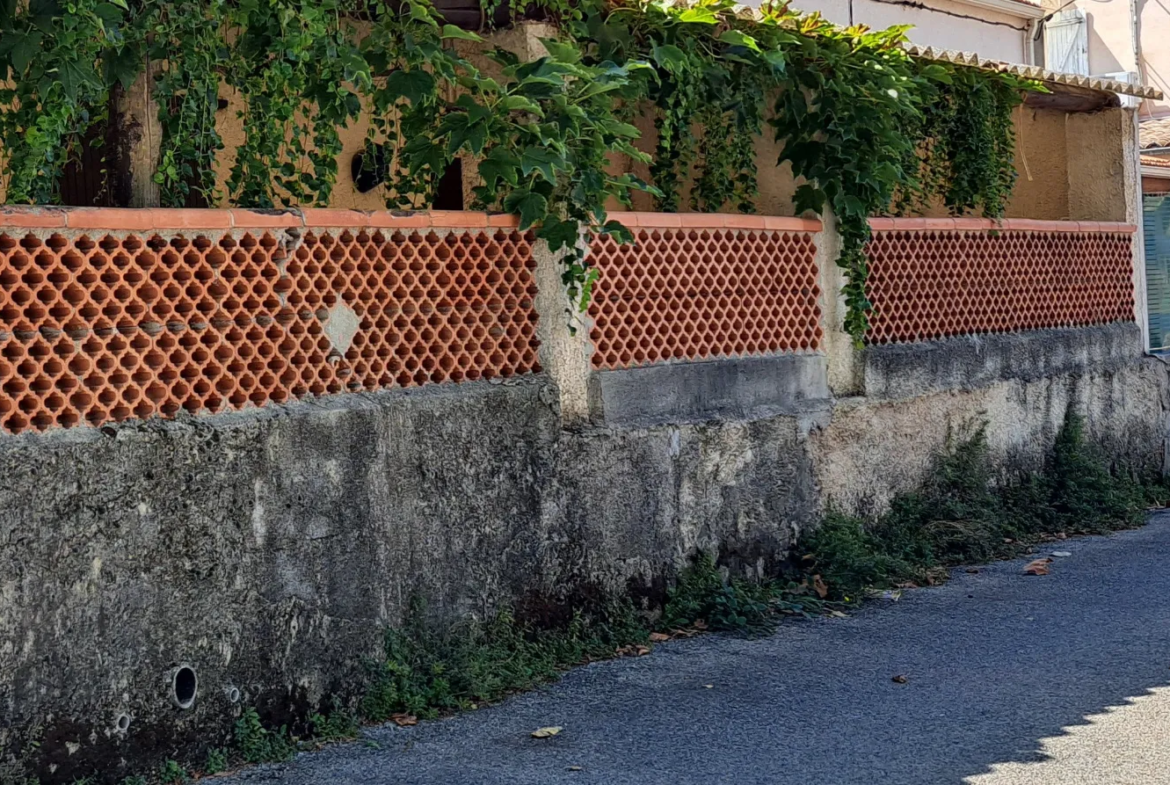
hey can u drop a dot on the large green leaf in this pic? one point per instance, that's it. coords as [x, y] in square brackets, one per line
[541, 159]
[559, 234]
[529, 206]
[451, 31]
[414, 85]
[500, 165]
[670, 57]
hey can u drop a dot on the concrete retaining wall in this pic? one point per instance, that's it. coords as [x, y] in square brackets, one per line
[267, 549]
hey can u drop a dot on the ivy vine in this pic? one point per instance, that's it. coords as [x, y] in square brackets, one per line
[865, 127]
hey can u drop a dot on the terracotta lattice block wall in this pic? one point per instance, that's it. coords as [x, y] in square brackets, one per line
[706, 286]
[967, 277]
[99, 326]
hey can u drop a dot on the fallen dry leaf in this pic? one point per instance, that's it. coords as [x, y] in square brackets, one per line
[899, 679]
[936, 576]
[700, 624]
[544, 733]
[575, 768]
[1061, 536]
[907, 585]
[820, 587]
[973, 570]
[658, 637]
[1037, 567]
[402, 720]
[838, 615]
[708, 686]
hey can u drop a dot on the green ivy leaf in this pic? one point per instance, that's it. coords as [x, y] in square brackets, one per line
[529, 206]
[414, 85]
[541, 159]
[451, 31]
[619, 231]
[74, 76]
[698, 15]
[500, 165]
[559, 234]
[563, 52]
[738, 38]
[121, 66]
[519, 103]
[670, 57]
[808, 197]
[21, 48]
[108, 13]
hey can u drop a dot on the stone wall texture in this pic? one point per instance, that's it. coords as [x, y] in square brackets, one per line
[267, 549]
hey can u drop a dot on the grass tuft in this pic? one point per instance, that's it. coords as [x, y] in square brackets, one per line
[426, 673]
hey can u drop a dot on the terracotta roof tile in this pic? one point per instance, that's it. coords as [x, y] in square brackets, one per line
[1155, 132]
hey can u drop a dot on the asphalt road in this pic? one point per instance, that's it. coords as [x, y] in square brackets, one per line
[1009, 679]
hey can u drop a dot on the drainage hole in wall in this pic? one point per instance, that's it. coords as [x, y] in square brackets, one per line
[123, 723]
[184, 687]
[233, 694]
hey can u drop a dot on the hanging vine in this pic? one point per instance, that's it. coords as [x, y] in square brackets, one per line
[865, 127]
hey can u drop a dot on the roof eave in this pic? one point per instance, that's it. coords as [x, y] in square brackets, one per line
[1072, 84]
[1007, 7]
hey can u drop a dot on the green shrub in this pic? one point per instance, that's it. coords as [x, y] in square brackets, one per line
[258, 744]
[701, 595]
[336, 726]
[172, 773]
[425, 673]
[217, 761]
[960, 515]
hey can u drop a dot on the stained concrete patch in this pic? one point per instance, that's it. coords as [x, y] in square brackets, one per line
[340, 327]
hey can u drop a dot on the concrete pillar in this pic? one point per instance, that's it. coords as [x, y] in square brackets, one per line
[845, 369]
[1134, 214]
[565, 350]
[138, 142]
[563, 331]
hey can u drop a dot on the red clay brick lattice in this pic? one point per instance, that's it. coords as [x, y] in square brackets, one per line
[107, 326]
[1028, 275]
[704, 289]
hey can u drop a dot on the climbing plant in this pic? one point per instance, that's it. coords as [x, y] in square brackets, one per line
[865, 127]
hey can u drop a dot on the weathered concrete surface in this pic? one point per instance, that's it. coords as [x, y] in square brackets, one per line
[969, 362]
[743, 388]
[269, 549]
[869, 450]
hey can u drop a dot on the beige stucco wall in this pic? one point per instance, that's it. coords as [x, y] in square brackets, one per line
[1111, 42]
[1042, 161]
[1097, 184]
[1046, 142]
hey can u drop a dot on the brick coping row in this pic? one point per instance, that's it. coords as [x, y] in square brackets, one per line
[1005, 225]
[155, 219]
